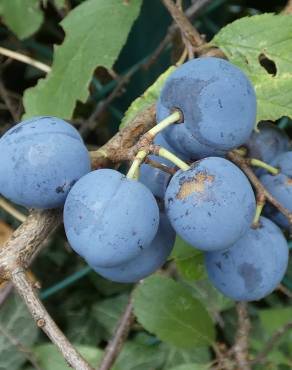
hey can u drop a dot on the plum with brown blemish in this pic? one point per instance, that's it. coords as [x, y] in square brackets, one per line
[280, 186]
[253, 267]
[40, 160]
[218, 105]
[211, 205]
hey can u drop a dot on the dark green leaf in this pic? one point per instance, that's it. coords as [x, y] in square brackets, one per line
[274, 318]
[23, 17]
[189, 261]
[168, 309]
[50, 358]
[95, 31]
[15, 323]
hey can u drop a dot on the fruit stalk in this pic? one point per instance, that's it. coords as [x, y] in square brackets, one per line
[257, 163]
[164, 153]
[262, 192]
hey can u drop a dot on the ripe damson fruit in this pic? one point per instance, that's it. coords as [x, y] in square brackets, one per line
[253, 267]
[280, 186]
[218, 105]
[268, 142]
[41, 158]
[109, 219]
[148, 260]
[211, 205]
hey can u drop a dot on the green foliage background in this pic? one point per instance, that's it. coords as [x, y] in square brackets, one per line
[178, 320]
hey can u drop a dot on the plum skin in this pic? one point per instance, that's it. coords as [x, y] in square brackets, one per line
[148, 260]
[253, 267]
[280, 186]
[108, 218]
[211, 205]
[218, 104]
[41, 158]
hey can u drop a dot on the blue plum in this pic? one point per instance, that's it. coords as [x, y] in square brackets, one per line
[253, 267]
[280, 186]
[109, 219]
[148, 260]
[41, 158]
[218, 104]
[268, 142]
[154, 178]
[211, 205]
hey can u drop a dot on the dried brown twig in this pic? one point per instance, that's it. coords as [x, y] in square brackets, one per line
[190, 12]
[121, 333]
[185, 26]
[240, 348]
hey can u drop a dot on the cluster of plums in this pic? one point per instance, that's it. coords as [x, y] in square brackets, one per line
[115, 223]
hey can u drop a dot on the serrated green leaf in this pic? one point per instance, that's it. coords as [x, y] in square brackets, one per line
[249, 39]
[148, 98]
[189, 261]
[15, 321]
[167, 309]
[23, 17]
[95, 31]
[49, 358]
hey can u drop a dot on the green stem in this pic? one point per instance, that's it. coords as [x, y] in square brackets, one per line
[132, 173]
[258, 212]
[241, 151]
[173, 158]
[171, 119]
[266, 166]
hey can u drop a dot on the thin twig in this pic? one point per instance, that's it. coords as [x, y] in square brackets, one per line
[190, 13]
[285, 291]
[90, 123]
[11, 210]
[21, 348]
[25, 59]
[271, 343]
[185, 26]
[26, 241]
[123, 145]
[240, 348]
[160, 166]
[262, 192]
[121, 333]
[45, 322]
